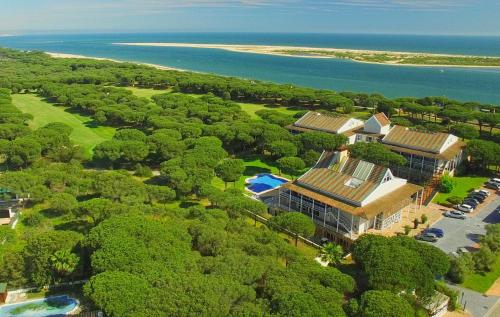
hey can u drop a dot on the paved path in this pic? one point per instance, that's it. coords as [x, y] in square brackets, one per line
[476, 303]
[466, 233]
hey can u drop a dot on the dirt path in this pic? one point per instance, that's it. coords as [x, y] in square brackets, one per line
[494, 289]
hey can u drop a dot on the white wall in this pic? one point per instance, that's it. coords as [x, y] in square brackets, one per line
[351, 124]
[384, 189]
[372, 125]
[449, 142]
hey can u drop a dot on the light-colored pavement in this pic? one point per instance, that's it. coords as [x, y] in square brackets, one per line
[466, 233]
[477, 304]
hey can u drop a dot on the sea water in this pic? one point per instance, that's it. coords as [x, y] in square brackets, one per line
[465, 84]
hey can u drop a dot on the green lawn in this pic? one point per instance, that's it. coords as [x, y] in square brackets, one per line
[251, 108]
[462, 188]
[482, 282]
[146, 92]
[86, 132]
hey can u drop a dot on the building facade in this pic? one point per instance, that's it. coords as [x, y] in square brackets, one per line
[346, 197]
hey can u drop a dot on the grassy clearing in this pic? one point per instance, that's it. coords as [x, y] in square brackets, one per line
[463, 186]
[147, 92]
[86, 132]
[482, 282]
[252, 108]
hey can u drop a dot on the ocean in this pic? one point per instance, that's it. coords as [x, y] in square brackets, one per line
[464, 84]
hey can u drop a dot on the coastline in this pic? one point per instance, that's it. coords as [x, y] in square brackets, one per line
[315, 53]
[65, 55]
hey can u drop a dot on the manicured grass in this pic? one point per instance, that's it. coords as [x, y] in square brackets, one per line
[86, 132]
[147, 92]
[463, 186]
[482, 282]
[251, 108]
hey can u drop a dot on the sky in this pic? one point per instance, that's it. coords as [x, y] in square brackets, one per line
[457, 17]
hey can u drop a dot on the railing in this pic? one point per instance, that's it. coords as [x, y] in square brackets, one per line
[343, 221]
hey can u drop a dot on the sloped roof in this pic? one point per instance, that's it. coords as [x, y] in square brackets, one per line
[382, 119]
[321, 122]
[352, 183]
[388, 204]
[418, 140]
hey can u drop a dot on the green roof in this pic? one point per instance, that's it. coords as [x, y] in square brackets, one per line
[3, 287]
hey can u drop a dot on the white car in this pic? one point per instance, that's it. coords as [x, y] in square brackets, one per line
[465, 208]
[495, 180]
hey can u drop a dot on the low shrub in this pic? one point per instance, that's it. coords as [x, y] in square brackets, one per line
[452, 294]
[454, 200]
[32, 219]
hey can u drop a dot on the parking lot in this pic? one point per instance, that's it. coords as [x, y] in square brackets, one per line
[467, 233]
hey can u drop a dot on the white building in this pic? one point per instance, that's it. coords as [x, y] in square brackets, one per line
[347, 197]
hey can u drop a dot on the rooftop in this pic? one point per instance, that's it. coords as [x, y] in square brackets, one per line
[386, 205]
[432, 142]
[382, 119]
[351, 182]
[322, 122]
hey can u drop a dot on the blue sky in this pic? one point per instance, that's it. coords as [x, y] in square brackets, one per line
[478, 17]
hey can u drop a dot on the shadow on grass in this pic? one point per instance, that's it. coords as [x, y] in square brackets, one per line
[254, 170]
[50, 213]
[187, 204]
[155, 180]
[78, 225]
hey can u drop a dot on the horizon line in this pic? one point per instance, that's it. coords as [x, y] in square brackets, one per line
[93, 32]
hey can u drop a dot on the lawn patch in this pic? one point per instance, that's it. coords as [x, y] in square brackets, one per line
[463, 186]
[252, 108]
[481, 282]
[86, 132]
[147, 92]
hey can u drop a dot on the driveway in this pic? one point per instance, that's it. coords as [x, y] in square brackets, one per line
[466, 233]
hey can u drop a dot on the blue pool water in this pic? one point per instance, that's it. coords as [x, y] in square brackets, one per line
[265, 182]
[54, 306]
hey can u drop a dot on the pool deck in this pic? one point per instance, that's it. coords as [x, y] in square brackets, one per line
[248, 181]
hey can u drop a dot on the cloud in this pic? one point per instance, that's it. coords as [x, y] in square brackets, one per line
[402, 4]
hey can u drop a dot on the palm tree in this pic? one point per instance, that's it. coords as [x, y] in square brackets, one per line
[332, 253]
[63, 262]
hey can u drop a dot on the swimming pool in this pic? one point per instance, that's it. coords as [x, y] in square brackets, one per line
[264, 182]
[53, 306]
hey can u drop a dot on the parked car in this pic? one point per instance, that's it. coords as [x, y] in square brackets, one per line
[479, 193]
[455, 214]
[465, 208]
[436, 231]
[482, 191]
[429, 237]
[492, 185]
[477, 197]
[462, 250]
[471, 202]
[495, 180]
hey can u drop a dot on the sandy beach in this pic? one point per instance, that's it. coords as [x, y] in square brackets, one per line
[64, 55]
[318, 52]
